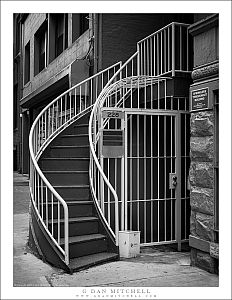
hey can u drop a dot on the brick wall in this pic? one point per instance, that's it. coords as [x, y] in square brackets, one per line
[121, 32]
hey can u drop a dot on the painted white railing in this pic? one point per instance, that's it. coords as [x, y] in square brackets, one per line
[164, 51]
[99, 182]
[50, 207]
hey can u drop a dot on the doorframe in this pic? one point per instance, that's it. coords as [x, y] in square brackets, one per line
[160, 112]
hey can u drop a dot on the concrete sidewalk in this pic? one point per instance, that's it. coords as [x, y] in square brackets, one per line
[154, 267]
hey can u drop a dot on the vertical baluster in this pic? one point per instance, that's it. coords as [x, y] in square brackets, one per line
[39, 137]
[171, 189]
[152, 178]
[42, 202]
[52, 203]
[108, 195]
[165, 54]
[161, 52]
[131, 172]
[138, 198]
[173, 49]
[151, 58]
[45, 125]
[80, 109]
[187, 50]
[180, 47]
[58, 224]
[35, 187]
[158, 168]
[70, 105]
[91, 92]
[86, 97]
[46, 197]
[61, 111]
[65, 108]
[158, 55]
[57, 114]
[168, 49]
[144, 59]
[75, 101]
[154, 45]
[165, 171]
[145, 179]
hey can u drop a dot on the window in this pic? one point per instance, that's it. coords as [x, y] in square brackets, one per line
[58, 35]
[40, 58]
[61, 33]
[216, 160]
[80, 24]
[27, 63]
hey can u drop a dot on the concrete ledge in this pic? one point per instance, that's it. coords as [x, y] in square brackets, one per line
[200, 244]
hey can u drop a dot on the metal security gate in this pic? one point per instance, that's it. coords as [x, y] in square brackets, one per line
[145, 155]
[153, 175]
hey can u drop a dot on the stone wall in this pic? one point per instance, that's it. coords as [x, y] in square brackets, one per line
[201, 176]
[202, 145]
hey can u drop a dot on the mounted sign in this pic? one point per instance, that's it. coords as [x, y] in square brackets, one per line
[115, 114]
[200, 99]
[112, 133]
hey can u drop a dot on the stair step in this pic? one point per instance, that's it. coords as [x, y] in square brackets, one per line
[91, 260]
[69, 191]
[79, 208]
[86, 245]
[64, 163]
[67, 177]
[72, 139]
[75, 220]
[80, 226]
[68, 151]
[84, 238]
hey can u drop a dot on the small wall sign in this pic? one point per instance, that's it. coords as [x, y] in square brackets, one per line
[200, 99]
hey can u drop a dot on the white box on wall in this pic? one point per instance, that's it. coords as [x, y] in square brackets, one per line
[129, 243]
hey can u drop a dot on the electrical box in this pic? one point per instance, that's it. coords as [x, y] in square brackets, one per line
[129, 243]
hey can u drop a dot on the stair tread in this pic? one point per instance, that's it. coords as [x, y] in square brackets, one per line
[73, 135]
[67, 158]
[69, 146]
[82, 125]
[93, 259]
[72, 186]
[72, 202]
[64, 172]
[76, 219]
[83, 238]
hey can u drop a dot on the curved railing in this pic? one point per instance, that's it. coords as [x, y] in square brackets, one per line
[99, 183]
[50, 207]
[160, 54]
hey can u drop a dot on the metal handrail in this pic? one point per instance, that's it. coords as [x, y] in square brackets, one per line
[93, 156]
[39, 138]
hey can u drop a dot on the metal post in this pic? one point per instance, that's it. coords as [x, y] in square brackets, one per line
[173, 49]
[178, 186]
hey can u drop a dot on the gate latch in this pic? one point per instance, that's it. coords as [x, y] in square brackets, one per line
[172, 181]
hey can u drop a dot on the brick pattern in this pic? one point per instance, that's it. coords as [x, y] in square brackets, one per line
[121, 32]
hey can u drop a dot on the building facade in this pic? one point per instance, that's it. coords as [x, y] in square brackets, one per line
[55, 53]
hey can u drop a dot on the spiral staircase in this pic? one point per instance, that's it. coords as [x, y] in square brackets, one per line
[70, 225]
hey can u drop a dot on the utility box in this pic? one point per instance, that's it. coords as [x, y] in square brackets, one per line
[129, 243]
